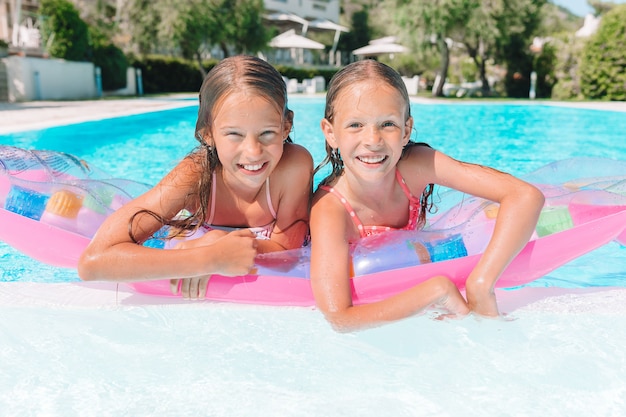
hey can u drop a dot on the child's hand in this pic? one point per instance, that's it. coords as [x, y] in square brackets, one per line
[481, 301]
[237, 251]
[235, 254]
[190, 288]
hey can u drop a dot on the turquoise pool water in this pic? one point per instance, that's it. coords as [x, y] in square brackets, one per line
[69, 349]
[513, 138]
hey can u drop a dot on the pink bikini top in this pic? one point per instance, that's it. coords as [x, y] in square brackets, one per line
[261, 232]
[414, 210]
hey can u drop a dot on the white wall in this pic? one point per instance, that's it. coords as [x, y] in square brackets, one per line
[309, 9]
[412, 84]
[131, 85]
[49, 79]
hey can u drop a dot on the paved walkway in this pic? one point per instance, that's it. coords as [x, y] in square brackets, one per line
[15, 117]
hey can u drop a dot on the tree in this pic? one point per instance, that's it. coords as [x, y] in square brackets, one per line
[482, 27]
[194, 28]
[603, 64]
[109, 58]
[480, 33]
[602, 7]
[517, 25]
[63, 30]
[246, 31]
[189, 28]
[143, 17]
[436, 21]
[359, 35]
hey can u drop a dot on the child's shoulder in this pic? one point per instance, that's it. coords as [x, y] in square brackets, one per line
[294, 154]
[416, 155]
[295, 164]
[324, 200]
[418, 150]
[294, 148]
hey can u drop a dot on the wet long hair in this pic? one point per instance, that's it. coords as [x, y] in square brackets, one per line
[233, 74]
[371, 71]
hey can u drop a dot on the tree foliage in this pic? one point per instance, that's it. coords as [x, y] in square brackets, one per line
[602, 7]
[63, 30]
[143, 17]
[192, 27]
[487, 30]
[434, 22]
[246, 32]
[110, 59]
[603, 64]
[518, 25]
[359, 35]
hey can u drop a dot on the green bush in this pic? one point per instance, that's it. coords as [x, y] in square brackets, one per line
[113, 65]
[163, 74]
[568, 50]
[545, 64]
[603, 64]
[110, 59]
[67, 31]
[303, 73]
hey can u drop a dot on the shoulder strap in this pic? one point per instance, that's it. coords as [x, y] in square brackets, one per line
[268, 196]
[213, 192]
[355, 219]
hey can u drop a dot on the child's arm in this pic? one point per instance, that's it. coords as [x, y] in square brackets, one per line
[520, 205]
[293, 178]
[112, 255]
[330, 280]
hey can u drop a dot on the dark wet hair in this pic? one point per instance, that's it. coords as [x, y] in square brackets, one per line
[368, 70]
[233, 74]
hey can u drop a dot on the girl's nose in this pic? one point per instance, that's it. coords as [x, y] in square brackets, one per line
[252, 146]
[372, 136]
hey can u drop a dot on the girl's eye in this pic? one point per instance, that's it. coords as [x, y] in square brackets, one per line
[268, 135]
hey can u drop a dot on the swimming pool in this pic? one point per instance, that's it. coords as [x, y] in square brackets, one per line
[78, 349]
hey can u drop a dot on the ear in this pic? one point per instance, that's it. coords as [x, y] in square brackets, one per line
[329, 133]
[287, 124]
[208, 139]
[408, 129]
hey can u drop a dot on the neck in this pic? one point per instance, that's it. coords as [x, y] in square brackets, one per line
[370, 193]
[239, 191]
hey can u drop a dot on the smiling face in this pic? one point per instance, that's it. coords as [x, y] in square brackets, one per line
[248, 133]
[369, 128]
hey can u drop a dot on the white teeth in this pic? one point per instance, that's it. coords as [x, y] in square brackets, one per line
[372, 159]
[255, 167]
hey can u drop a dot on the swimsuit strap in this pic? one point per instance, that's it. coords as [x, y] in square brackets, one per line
[414, 203]
[355, 219]
[268, 196]
[214, 192]
[414, 207]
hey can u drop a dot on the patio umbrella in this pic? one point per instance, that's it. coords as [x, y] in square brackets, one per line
[381, 46]
[290, 39]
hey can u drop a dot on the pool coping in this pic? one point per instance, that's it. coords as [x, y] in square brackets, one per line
[114, 295]
[33, 115]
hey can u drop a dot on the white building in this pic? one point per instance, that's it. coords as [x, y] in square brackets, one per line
[307, 9]
[29, 79]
